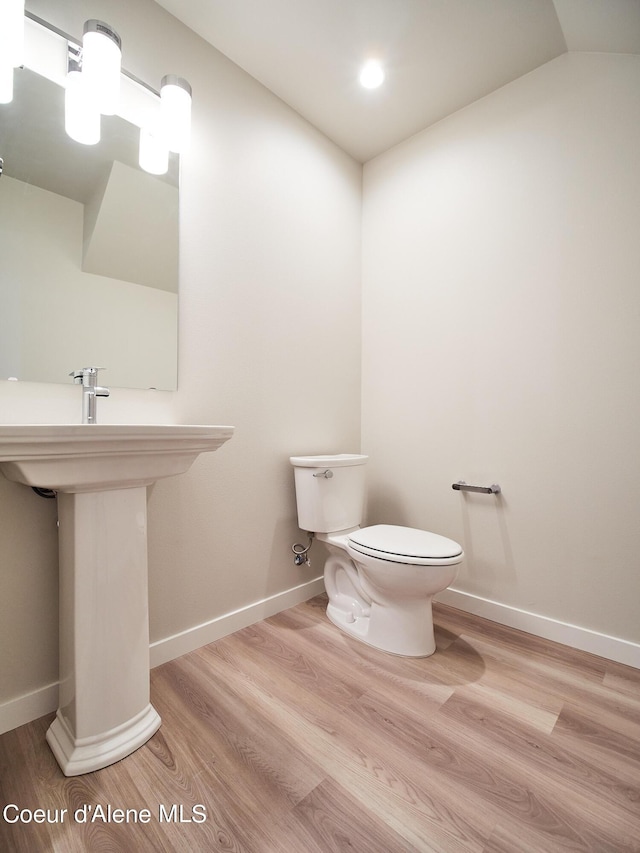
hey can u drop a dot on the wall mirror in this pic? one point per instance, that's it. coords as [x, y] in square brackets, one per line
[88, 248]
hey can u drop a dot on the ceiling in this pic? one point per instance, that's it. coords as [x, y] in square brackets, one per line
[439, 55]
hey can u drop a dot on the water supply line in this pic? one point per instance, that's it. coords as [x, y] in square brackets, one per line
[302, 553]
[45, 493]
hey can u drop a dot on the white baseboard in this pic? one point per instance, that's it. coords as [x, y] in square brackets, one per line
[612, 648]
[23, 709]
[193, 638]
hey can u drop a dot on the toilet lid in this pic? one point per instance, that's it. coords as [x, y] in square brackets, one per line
[403, 544]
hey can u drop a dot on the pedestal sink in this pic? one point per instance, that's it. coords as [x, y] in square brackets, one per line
[101, 473]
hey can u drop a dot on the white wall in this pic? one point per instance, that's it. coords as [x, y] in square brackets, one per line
[269, 342]
[501, 342]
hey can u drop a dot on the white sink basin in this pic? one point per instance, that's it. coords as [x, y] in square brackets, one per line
[100, 473]
[96, 457]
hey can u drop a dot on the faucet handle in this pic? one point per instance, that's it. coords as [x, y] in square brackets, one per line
[86, 375]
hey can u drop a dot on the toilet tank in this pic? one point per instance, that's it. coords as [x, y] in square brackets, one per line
[332, 502]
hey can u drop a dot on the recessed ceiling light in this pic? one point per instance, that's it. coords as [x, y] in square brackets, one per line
[372, 74]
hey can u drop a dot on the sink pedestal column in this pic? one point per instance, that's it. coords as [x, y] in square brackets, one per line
[104, 710]
[101, 473]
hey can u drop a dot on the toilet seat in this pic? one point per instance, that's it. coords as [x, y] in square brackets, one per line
[407, 545]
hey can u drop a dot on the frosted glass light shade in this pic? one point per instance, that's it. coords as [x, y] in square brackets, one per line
[101, 62]
[154, 154]
[6, 84]
[11, 45]
[81, 114]
[175, 112]
[12, 33]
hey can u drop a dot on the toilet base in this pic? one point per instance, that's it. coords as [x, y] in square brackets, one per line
[407, 633]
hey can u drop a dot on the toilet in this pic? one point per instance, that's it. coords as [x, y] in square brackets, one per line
[380, 580]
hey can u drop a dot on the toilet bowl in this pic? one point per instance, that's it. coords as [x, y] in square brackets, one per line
[380, 580]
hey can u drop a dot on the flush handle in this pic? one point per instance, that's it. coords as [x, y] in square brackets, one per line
[328, 474]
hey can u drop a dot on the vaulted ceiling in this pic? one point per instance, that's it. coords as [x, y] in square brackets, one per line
[439, 55]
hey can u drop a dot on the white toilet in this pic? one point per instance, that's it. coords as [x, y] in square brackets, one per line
[381, 579]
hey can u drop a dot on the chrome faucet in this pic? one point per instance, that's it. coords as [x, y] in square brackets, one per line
[88, 378]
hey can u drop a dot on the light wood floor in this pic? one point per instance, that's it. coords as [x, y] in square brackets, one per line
[292, 737]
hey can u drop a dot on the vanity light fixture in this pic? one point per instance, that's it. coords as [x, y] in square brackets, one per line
[81, 118]
[101, 64]
[173, 129]
[11, 46]
[372, 74]
[154, 153]
[81, 114]
[93, 81]
[6, 82]
[175, 112]
[93, 89]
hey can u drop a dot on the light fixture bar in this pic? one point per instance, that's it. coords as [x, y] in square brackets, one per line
[73, 42]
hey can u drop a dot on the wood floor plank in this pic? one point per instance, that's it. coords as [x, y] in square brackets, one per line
[509, 837]
[17, 788]
[555, 682]
[621, 678]
[335, 821]
[606, 739]
[370, 769]
[509, 676]
[475, 767]
[358, 665]
[500, 699]
[237, 817]
[237, 736]
[291, 736]
[548, 766]
[534, 650]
